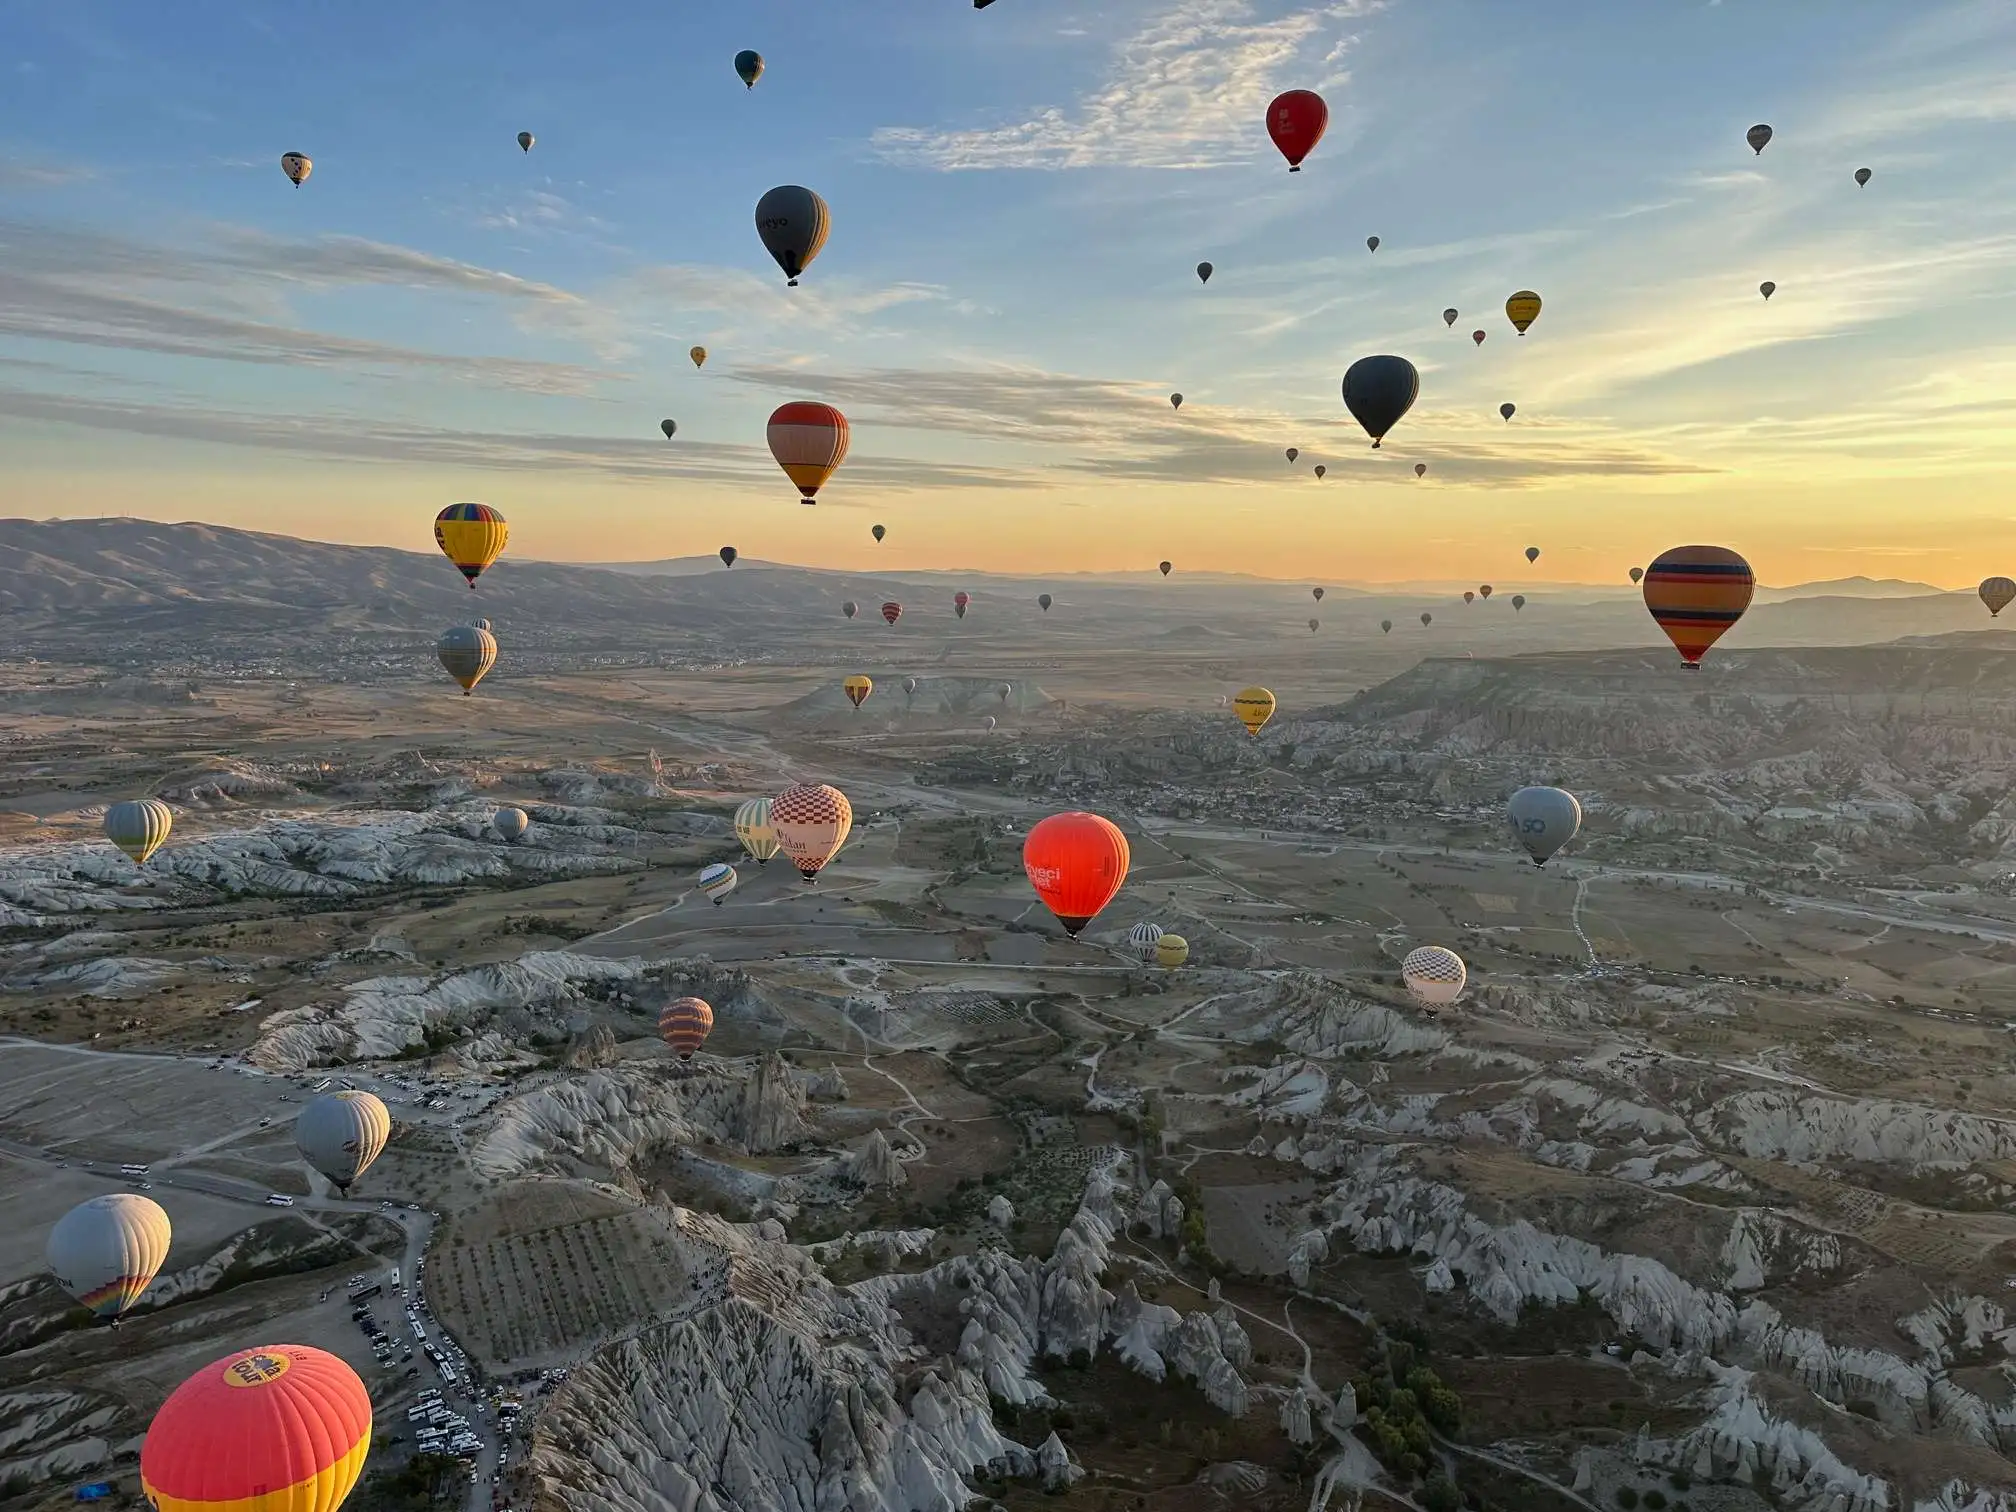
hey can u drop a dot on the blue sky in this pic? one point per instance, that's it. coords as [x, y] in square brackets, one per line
[1019, 197]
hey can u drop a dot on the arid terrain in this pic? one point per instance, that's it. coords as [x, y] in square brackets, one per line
[1699, 1200]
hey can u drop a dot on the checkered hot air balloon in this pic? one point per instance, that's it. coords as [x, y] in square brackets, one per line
[1434, 975]
[812, 823]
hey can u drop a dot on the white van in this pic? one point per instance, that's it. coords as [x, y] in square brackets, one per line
[278, 1199]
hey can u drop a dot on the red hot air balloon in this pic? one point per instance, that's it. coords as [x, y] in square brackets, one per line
[809, 442]
[1076, 862]
[959, 602]
[685, 1024]
[1695, 594]
[1296, 121]
[1477, 337]
[892, 611]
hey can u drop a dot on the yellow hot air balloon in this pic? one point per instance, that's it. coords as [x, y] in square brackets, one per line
[472, 536]
[699, 356]
[139, 826]
[1171, 951]
[1522, 309]
[1254, 706]
[857, 688]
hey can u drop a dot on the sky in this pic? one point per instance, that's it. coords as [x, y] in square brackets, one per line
[1019, 198]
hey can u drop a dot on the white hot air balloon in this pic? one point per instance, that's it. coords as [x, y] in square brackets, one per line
[752, 828]
[1434, 975]
[1543, 819]
[717, 881]
[511, 823]
[106, 1251]
[1141, 939]
[341, 1133]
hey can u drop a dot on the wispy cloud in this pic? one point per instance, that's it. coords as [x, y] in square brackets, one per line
[1187, 91]
[21, 171]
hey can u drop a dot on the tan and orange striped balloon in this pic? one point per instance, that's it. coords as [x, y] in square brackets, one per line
[685, 1024]
[809, 442]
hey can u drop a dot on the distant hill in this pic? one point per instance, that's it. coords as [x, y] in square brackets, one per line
[1851, 587]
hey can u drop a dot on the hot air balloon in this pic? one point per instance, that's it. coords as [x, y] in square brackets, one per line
[1378, 391]
[1767, 288]
[1449, 316]
[472, 536]
[1427, 618]
[296, 166]
[1518, 601]
[857, 688]
[1321, 469]
[959, 602]
[752, 828]
[1434, 975]
[525, 140]
[1141, 940]
[669, 427]
[892, 612]
[1637, 573]
[1543, 819]
[1005, 692]
[684, 1024]
[483, 624]
[1996, 592]
[1386, 627]
[1483, 590]
[698, 354]
[989, 723]
[341, 1133]
[1420, 469]
[107, 1250]
[749, 66]
[728, 555]
[1076, 862]
[909, 687]
[1477, 337]
[1862, 176]
[717, 880]
[1532, 553]
[1165, 566]
[1522, 309]
[850, 608]
[793, 222]
[812, 823]
[279, 1428]
[1469, 596]
[1204, 271]
[1695, 594]
[809, 442]
[139, 826]
[1758, 136]
[1044, 601]
[1508, 410]
[1175, 401]
[1296, 121]
[1254, 707]
[511, 823]
[1316, 594]
[1314, 625]
[1371, 244]
[467, 653]
[878, 531]
[1171, 951]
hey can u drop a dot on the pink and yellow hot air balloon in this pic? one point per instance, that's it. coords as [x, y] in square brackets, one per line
[1695, 594]
[809, 441]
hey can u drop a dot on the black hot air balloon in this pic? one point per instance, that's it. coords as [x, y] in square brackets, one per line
[728, 555]
[1378, 391]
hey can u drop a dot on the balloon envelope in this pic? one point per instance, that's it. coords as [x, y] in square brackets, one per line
[812, 823]
[752, 828]
[1543, 819]
[698, 354]
[1758, 136]
[472, 536]
[892, 611]
[1254, 706]
[1386, 626]
[1044, 601]
[1171, 951]
[878, 531]
[1296, 121]
[909, 687]
[1141, 940]
[1316, 594]
[1518, 601]
[341, 1133]
[1695, 594]
[717, 881]
[1862, 175]
[1996, 593]
[1477, 337]
[1371, 244]
[1532, 553]
[669, 427]
[793, 222]
[297, 166]
[850, 608]
[139, 827]
[1321, 469]
[1637, 573]
[1420, 469]
[525, 140]
[684, 1024]
[1449, 316]
[1427, 618]
[1165, 566]
[728, 555]
[857, 688]
[1767, 288]
[511, 823]
[1378, 391]
[809, 441]
[467, 653]
[749, 66]
[1294, 452]
[279, 1428]
[1522, 309]
[1175, 401]
[1076, 862]
[1434, 975]
[1508, 410]
[1204, 272]
[106, 1251]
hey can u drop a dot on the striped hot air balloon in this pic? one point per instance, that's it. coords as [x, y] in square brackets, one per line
[752, 828]
[717, 880]
[341, 1133]
[685, 1024]
[139, 827]
[106, 1251]
[1141, 939]
[812, 823]
[1997, 593]
[472, 536]
[892, 611]
[809, 442]
[1695, 594]
[279, 1428]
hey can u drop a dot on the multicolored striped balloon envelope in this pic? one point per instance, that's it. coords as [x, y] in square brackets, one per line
[472, 536]
[685, 1025]
[280, 1428]
[1695, 594]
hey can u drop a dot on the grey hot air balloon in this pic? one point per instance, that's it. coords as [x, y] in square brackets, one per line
[1544, 819]
[1767, 288]
[525, 141]
[1313, 625]
[1508, 410]
[728, 555]
[749, 66]
[107, 1250]
[341, 1133]
[1378, 391]
[1165, 567]
[670, 427]
[878, 531]
[1175, 401]
[1321, 469]
[1518, 601]
[1294, 452]
[1532, 553]
[1862, 176]
[1044, 601]
[1449, 316]
[139, 827]
[1386, 627]
[850, 608]
[793, 222]
[909, 687]
[467, 653]
[1316, 594]
[1204, 272]
[511, 823]
[1371, 244]
[1759, 137]
[1427, 618]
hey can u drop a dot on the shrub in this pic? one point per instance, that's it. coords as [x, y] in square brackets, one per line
[1656, 1500]
[1626, 1498]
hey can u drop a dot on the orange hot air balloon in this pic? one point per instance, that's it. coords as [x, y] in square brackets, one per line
[280, 1428]
[1076, 862]
[809, 442]
[812, 824]
[1696, 593]
[1998, 593]
[684, 1024]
